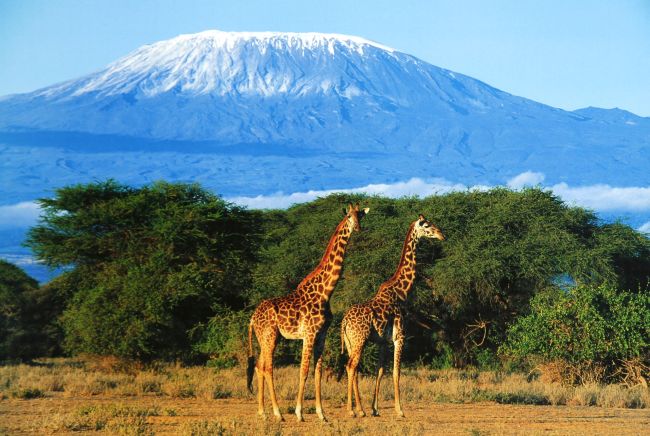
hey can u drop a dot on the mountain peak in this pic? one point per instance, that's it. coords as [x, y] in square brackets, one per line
[306, 40]
[221, 63]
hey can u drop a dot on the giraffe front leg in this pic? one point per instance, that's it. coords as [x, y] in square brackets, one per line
[318, 357]
[307, 347]
[398, 340]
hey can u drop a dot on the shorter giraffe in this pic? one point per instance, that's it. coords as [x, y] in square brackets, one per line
[380, 320]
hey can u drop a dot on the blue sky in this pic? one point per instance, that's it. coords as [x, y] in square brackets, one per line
[568, 54]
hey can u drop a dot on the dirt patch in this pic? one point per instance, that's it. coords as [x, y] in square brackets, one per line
[170, 416]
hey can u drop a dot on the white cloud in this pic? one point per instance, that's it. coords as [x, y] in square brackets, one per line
[599, 197]
[23, 214]
[20, 259]
[645, 228]
[605, 197]
[528, 178]
[415, 186]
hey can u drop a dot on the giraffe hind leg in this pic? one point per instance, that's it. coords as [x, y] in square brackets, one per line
[259, 370]
[355, 350]
[268, 375]
[318, 357]
[265, 371]
[380, 372]
[307, 348]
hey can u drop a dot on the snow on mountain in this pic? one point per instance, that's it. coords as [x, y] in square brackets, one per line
[261, 112]
[225, 63]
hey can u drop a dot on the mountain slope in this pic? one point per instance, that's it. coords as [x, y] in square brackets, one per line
[253, 113]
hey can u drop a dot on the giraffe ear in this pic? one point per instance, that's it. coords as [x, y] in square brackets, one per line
[421, 217]
[350, 208]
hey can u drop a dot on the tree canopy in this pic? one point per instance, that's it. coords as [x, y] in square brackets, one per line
[171, 270]
[147, 264]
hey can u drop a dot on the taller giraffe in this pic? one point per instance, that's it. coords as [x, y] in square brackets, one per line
[380, 319]
[304, 314]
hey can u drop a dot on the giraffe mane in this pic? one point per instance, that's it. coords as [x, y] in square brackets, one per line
[328, 250]
[401, 260]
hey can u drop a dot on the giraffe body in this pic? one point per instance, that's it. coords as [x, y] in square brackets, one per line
[380, 320]
[304, 314]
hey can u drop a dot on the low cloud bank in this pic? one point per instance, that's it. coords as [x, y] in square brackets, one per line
[414, 187]
[605, 197]
[20, 259]
[601, 198]
[20, 215]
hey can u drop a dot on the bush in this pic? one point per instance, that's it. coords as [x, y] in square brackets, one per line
[28, 315]
[224, 338]
[593, 330]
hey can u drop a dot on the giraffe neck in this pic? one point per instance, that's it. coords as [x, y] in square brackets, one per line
[402, 280]
[321, 281]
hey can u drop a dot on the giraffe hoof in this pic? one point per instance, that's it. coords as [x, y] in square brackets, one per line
[323, 418]
[352, 414]
[299, 418]
[361, 413]
[400, 414]
[261, 415]
[279, 418]
[375, 413]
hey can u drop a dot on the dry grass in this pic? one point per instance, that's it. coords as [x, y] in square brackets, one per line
[85, 378]
[72, 395]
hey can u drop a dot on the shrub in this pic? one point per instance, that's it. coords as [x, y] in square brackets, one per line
[223, 338]
[584, 334]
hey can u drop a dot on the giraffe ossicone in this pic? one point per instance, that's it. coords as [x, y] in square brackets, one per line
[303, 314]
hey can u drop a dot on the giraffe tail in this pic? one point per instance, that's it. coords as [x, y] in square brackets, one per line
[250, 370]
[340, 364]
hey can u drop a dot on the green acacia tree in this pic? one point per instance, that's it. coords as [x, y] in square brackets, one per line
[145, 264]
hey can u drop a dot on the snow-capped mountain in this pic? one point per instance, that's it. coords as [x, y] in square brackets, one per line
[254, 113]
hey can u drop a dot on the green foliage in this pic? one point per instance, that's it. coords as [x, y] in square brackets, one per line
[170, 270]
[224, 338]
[588, 324]
[150, 263]
[27, 316]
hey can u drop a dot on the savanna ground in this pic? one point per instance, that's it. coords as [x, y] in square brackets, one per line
[111, 397]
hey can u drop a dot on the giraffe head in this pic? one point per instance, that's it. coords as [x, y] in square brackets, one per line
[354, 215]
[424, 228]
